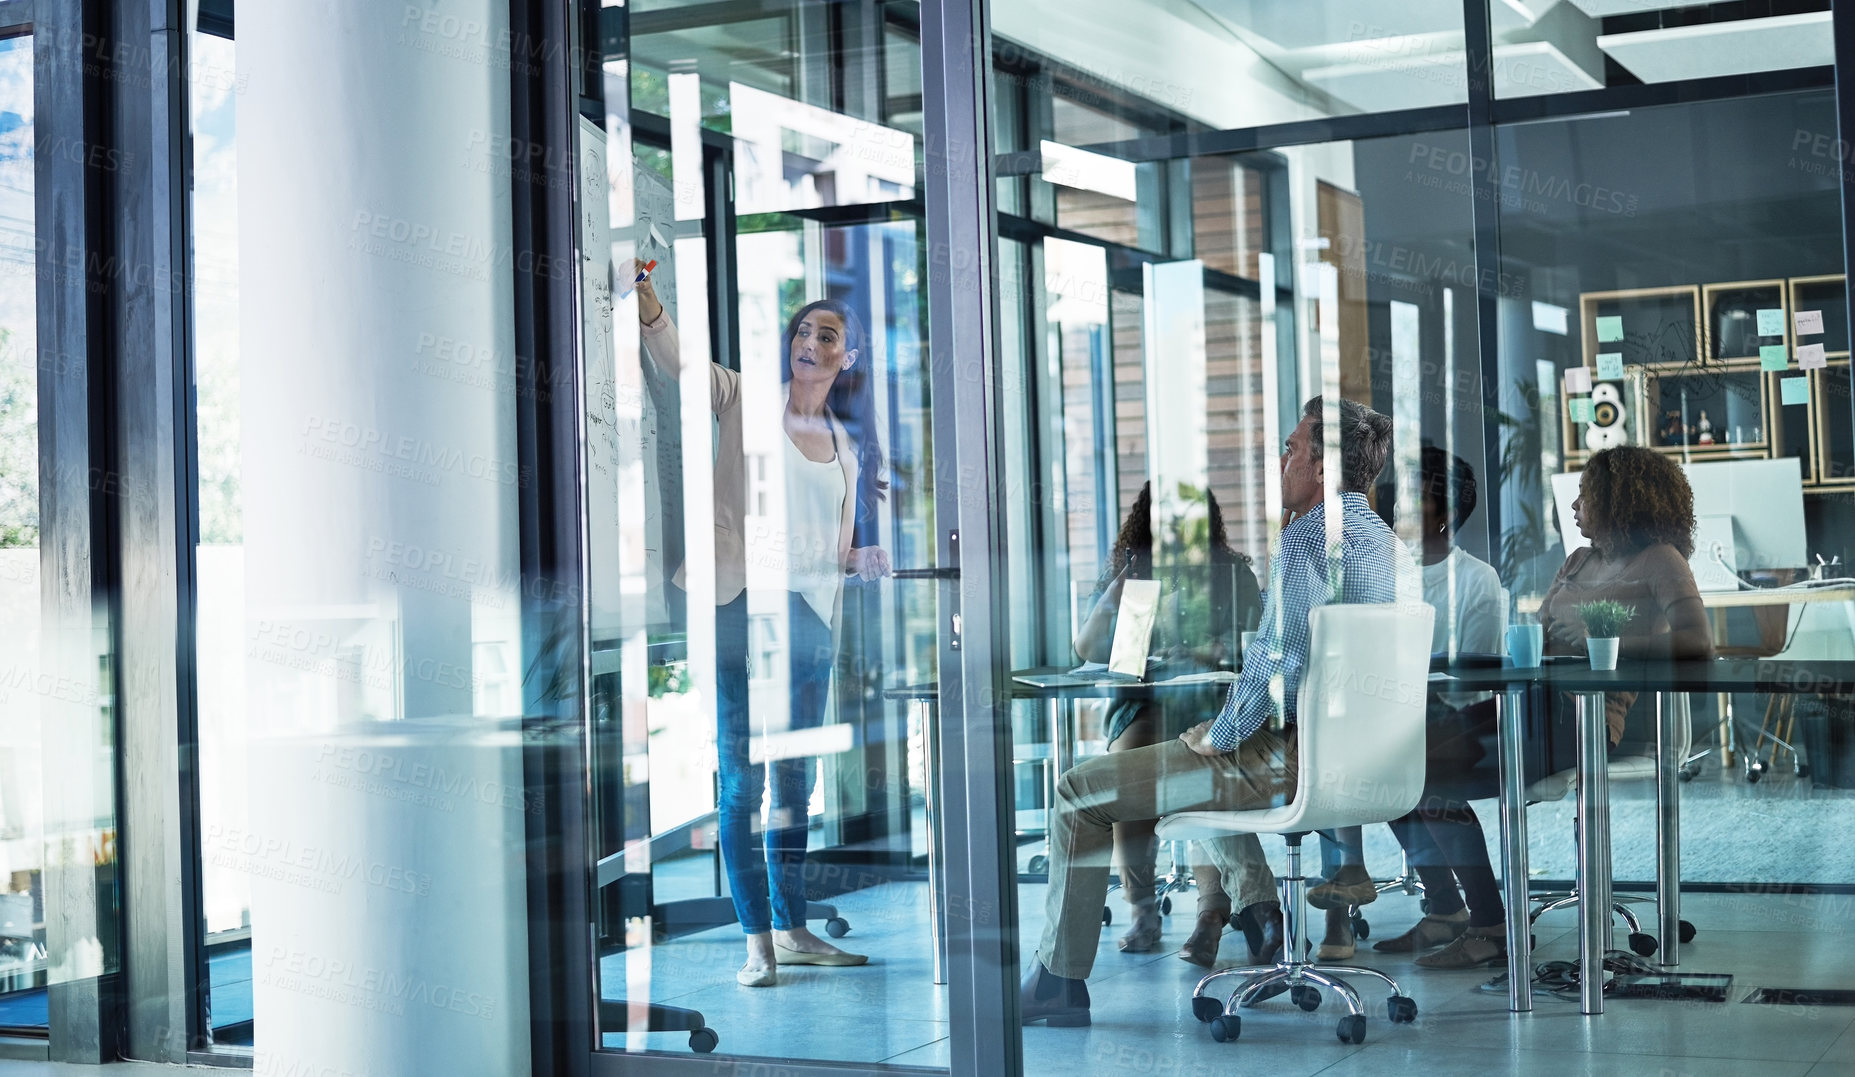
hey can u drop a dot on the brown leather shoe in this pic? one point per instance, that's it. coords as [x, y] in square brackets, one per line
[1057, 1001]
[1266, 948]
[1350, 885]
[1201, 945]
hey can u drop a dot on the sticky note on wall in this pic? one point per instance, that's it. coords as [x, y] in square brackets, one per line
[1794, 390]
[1773, 357]
[1809, 321]
[1771, 322]
[1577, 380]
[1609, 366]
[1583, 411]
[1811, 357]
[1610, 329]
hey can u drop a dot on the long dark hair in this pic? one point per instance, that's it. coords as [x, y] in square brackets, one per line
[852, 401]
[1134, 545]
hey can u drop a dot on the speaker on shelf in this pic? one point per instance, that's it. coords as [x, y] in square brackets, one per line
[1607, 428]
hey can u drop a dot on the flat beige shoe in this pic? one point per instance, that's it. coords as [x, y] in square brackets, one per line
[799, 957]
[765, 977]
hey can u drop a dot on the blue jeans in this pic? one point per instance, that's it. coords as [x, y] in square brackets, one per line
[766, 872]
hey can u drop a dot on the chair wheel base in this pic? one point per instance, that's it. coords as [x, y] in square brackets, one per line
[1308, 998]
[1226, 1028]
[1351, 1028]
[1401, 1009]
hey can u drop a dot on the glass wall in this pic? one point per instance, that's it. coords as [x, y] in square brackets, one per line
[227, 855]
[1604, 330]
[22, 804]
[1674, 295]
[761, 536]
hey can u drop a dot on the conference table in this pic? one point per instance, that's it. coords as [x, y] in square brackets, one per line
[1524, 697]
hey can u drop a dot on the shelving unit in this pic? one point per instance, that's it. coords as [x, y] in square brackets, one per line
[1689, 349]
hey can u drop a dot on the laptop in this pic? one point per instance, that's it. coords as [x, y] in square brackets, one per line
[1127, 656]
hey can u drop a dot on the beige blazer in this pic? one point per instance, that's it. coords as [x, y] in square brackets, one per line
[664, 349]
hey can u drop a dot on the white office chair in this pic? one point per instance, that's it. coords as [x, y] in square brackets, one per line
[1636, 765]
[1360, 742]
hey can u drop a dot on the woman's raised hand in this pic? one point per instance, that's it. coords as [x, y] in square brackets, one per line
[869, 562]
[649, 306]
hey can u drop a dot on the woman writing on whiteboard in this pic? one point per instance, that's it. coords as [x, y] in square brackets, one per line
[831, 460]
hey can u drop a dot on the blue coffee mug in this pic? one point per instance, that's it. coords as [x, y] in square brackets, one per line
[1525, 645]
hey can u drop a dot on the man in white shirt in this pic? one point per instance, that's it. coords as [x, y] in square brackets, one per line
[1442, 836]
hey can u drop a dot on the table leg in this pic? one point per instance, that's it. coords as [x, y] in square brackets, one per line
[1728, 738]
[1593, 850]
[1514, 872]
[1053, 768]
[1669, 709]
[930, 798]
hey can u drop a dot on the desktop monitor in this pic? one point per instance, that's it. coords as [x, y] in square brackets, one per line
[1751, 510]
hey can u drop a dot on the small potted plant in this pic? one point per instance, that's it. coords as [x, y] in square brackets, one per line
[1603, 623]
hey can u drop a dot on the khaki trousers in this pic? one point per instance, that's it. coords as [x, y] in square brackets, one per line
[1149, 783]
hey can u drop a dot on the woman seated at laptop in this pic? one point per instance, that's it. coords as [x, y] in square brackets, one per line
[1210, 597]
[1636, 507]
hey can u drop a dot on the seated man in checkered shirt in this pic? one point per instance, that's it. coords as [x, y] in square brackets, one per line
[1332, 550]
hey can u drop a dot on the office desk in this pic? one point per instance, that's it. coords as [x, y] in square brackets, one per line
[1062, 753]
[1523, 695]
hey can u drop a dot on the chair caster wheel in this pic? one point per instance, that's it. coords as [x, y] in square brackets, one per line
[1643, 945]
[1226, 1028]
[1207, 1009]
[703, 1040]
[1803, 770]
[1687, 774]
[1401, 1009]
[1308, 998]
[1755, 770]
[1039, 865]
[837, 927]
[1165, 906]
[1687, 932]
[1107, 916]
[1351, 1029]
[1424, 905]
[1362, 928]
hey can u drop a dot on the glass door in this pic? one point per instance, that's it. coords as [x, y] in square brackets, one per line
[760, 521]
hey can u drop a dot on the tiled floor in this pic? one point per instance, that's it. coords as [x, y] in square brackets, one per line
[887, 1011]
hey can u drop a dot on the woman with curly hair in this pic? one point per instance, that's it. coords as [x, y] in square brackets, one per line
[1201, 634]
[1637, 509]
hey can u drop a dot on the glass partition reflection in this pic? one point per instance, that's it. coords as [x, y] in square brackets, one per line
[762, 541]
[1334, 270]
[1703, 325]
[22, 804]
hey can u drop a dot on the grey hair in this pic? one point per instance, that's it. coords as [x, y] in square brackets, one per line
[1365, 440]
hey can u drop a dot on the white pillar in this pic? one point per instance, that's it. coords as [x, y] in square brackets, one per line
[380, 492]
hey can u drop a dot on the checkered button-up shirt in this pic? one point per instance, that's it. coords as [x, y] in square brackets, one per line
[1362, 561]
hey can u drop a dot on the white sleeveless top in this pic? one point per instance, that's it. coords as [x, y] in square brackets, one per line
[814, 512]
